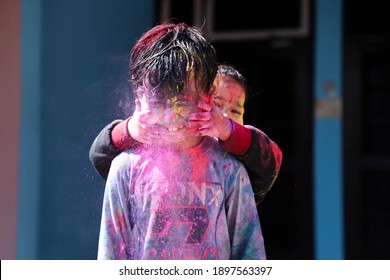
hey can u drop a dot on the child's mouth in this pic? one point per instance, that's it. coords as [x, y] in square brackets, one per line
[175, 128]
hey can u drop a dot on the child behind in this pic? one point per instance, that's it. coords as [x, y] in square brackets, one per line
[187, 198]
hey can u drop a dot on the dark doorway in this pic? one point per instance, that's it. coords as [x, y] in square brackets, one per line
[366, 129]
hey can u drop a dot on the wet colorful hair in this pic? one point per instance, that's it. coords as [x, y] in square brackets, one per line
[165, 58]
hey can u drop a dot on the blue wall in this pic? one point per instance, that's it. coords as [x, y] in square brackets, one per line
[74, 81]
[328, 161]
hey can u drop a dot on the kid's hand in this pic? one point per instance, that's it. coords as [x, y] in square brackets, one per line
[142, 131]
[210, 121]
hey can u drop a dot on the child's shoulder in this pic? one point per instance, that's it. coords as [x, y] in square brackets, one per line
[123, 160]
[219, 152]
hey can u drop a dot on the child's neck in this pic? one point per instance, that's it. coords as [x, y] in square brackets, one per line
[187, 143]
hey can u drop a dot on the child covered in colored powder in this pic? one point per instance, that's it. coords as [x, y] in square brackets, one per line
[260, 155]
[185, 197]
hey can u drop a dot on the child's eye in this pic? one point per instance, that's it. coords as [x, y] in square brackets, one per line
[236, 112]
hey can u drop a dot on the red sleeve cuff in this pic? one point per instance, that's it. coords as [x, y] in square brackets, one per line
[239, 141]
[120, 136]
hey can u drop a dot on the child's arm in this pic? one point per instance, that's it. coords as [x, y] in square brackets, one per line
[260, 155]
[110, 142]
[123, 135]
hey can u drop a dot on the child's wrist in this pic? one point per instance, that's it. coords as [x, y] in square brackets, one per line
[121, 137]
[239, 141]
[225, 135]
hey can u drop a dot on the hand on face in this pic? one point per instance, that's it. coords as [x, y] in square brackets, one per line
[210, 121]
[144, 131]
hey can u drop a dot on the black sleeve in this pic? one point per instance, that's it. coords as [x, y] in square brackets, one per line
[262, 161]
[102, 151]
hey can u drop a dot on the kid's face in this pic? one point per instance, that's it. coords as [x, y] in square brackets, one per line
[230, 98]
[172, 113]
